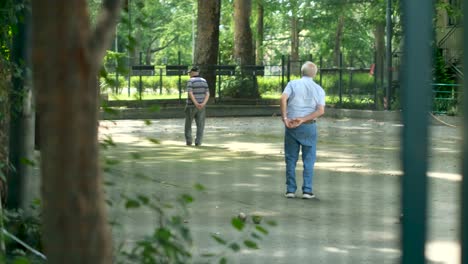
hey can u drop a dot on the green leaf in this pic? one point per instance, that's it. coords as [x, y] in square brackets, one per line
[109, 110]
[186, 198]
[163, 234]
[234, 246]
[112, 161]
[256, 236]
[237, 223]
[154, 108]
[261, 229]
[219, 240]
[143, 199]
[27, 162]
[135, 155]
[154, 140]
[223, 260]
[199, 187]
[250, 244]
[147, 122]
[271, 223]
[257, 219]
[130, 204]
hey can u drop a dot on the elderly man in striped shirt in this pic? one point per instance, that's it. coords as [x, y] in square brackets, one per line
[198, 95]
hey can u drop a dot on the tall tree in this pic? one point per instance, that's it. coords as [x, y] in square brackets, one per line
[66, 60]
[338, 39]
[294, 31]
[243, 44]
[259, 38]
[207, 42]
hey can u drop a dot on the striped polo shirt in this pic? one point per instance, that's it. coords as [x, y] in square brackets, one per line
[199, 87]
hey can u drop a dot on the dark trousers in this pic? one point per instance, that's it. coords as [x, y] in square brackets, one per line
[191, 112]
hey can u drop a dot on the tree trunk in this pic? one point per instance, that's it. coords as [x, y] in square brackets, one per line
[4, 128]
[379, 35]
[259, 40]
[243, 45]
[66, 58]
[207, 40]
[295, 63]
[21, 139]
[338, 39]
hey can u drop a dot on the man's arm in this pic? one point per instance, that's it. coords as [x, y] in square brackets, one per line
[192, 97]
[319, 112]
[283, 108]
[207, 97]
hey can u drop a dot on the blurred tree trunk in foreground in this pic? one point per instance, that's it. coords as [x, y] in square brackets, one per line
[67, 55]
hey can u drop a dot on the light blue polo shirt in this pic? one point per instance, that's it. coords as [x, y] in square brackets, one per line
[304, 95]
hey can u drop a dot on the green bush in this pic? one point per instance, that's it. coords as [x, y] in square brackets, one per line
[238, 87]
[362, 83]
[268, 85]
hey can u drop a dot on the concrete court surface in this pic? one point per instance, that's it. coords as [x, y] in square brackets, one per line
[241, 164]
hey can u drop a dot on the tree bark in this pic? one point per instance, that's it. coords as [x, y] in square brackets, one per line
[207, 40]
[379, 35]
[259, 40]
[66, 59]
[4, 128]
[243, 44]
[338, 40]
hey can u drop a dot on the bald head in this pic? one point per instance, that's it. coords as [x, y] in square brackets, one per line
[309, 69]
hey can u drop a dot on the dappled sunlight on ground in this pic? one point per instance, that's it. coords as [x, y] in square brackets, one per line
[241, 165]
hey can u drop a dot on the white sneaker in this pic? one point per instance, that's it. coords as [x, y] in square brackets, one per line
[290, 195]
[308, 196]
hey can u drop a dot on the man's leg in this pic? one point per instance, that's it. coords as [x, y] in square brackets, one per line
[309, 154]
[200, 121]
[291, 153]
[188, 124]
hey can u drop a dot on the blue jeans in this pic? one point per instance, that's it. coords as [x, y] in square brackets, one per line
[305, 137]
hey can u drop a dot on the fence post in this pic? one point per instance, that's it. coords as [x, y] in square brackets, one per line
[140, 84]
[464, 193]
[321, 65]
[180, 78]
[289, 68]
[340, 81]
[160, 81]
[282, 72]
[375, 81]
[416, 104]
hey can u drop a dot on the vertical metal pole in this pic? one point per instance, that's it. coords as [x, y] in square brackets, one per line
[160, 81]
[321, 73]
[340, 81]
[375, 81]
[180, 78]
[282, 72]
[289, 68]
[116, 62]
[389, 54]
[464, 195]
[140, 84]
[416, 89]
[129, 60]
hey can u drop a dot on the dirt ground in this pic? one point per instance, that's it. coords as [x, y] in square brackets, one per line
[241, 164]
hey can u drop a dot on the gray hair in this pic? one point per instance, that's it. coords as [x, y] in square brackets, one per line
[309, 68]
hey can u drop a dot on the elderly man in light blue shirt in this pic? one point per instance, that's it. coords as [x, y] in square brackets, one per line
[302, 102]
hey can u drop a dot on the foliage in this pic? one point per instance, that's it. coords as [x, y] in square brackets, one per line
[238, 87]
[27, 227]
